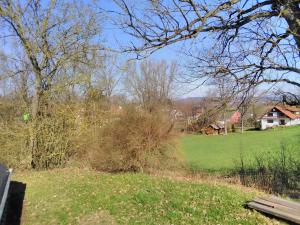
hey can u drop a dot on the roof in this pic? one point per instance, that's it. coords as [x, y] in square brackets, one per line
[216, 126]
[286, 110]
[292, 108]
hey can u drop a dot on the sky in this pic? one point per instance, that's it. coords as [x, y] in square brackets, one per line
[115, 38]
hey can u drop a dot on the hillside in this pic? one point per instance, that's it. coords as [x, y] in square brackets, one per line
[73, 196]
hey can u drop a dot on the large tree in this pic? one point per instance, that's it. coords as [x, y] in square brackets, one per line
[52, 35]
[253, 41]
[152, 84]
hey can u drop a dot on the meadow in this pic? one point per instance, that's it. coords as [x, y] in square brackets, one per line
[223, 153]
[73, 196]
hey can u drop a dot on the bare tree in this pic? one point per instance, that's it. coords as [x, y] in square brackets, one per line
[225, 93]
[252, 42]
[152, 84]
[53, 35]
[109, 74]
[245, 102]
[291, 97]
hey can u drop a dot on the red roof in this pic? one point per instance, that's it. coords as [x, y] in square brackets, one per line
[292, 108]
[287, 111]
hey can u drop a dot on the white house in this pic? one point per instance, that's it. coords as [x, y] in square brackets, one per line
[280, 116]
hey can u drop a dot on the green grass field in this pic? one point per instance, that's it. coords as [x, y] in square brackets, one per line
[222, 153]
[73, 196]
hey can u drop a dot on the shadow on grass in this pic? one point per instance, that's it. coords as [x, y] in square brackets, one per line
[14, 205]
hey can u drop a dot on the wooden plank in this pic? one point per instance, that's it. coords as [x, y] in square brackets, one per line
[283, 208]
[275, 212]
[283, 202]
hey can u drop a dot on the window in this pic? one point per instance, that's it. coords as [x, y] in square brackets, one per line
[270, 121]
[270, 114]
[280, 114]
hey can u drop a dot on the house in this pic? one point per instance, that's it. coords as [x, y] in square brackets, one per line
[280, 115]
[214, 129]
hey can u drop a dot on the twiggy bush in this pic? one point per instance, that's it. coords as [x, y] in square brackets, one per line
[279, 172]
[54, 141]
[134, 141]
[14, 135]
[14, 142]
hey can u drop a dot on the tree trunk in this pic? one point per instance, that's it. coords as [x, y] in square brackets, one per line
[225, 123]
[242, 128]
[35, 113]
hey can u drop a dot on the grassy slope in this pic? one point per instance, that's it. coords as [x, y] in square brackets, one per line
[72, 196]
[221, 152]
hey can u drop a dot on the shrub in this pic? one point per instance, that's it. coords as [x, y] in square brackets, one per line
[278, 172]
[14, 136]
[14, 141]
[54, 135]
[134, 141]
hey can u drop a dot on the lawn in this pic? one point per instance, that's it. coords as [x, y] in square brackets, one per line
[222, 153]
[73, 196]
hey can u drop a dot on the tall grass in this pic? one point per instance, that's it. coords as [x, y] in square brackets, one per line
[278, 172]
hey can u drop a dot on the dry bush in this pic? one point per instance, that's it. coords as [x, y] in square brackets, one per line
[134, 141]
[14, 138]
[54, 141]
[278, 172]
[54, 135]
[14, 141]
[130, 139]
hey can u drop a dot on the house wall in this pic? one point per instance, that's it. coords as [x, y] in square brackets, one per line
[265, 124]
[276, 122]
[295, 122]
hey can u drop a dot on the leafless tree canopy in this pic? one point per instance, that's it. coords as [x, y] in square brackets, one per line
[50, 38]
[152, 84]
[51, 35]
[252, 41]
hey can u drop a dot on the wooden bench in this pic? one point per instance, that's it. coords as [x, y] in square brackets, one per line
[277, 207]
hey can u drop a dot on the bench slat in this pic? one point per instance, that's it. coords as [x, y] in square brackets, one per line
[275, 212]
[283, 202]
[277, 206]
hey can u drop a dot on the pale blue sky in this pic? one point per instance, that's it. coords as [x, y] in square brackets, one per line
[115, 38]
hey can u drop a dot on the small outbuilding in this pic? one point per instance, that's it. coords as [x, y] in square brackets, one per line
[214, 129]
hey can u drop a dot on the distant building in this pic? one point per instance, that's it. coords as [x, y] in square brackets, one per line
[214, 129]
[283, 115]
